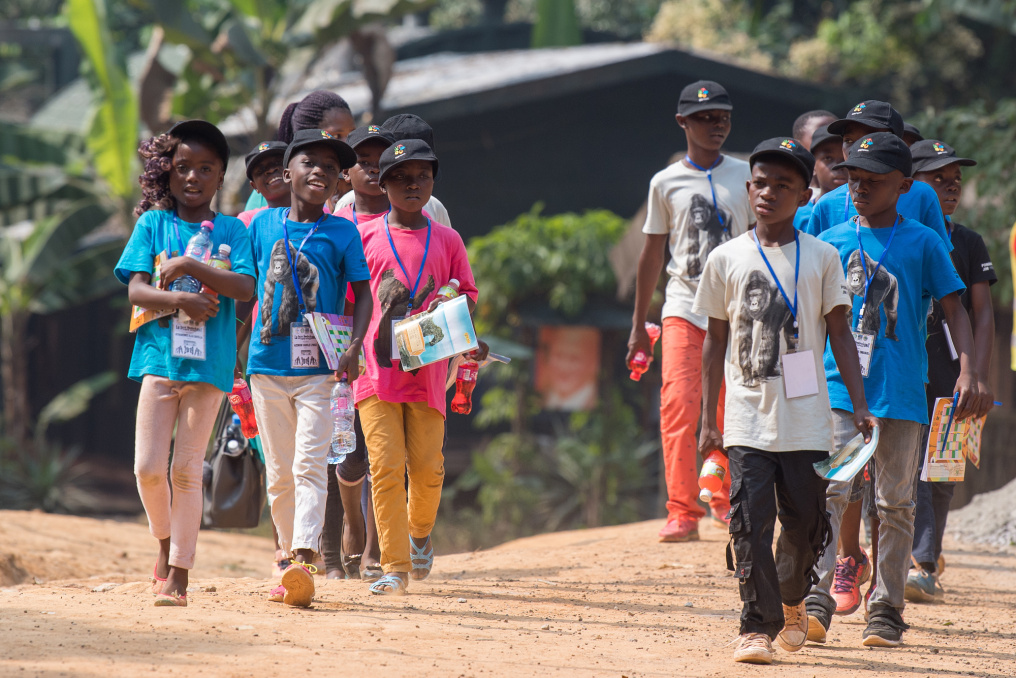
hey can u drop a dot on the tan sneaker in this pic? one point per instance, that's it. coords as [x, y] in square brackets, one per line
[754, 648]
[795, 629]
[298, 581]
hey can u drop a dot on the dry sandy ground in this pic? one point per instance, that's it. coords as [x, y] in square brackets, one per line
[603, 602]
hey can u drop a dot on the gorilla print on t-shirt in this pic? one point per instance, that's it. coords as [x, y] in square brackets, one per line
[708, 234]
[763, 314]
[883, 291]
[393, 298]
[280, 273]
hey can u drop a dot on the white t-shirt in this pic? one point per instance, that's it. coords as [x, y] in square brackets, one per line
[434, 208]
[681, 205]
[737, 286]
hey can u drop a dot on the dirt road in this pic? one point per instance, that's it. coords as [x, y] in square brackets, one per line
[603, 602]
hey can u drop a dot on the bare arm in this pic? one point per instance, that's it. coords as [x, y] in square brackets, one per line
[199, 307]
[363, 309]
[234, 285]
[984, 339]
[713, 350]
[650, 265]
[841, 341]
[970, 402]
[245, 318]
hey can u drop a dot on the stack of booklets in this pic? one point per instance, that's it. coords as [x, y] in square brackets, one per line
[427, 338]
[951, 443]
[334, 334]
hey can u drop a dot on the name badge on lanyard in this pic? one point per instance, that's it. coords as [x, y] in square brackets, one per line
[304, 353]
[865, 340]
[800, 377]
[416, 286]
[188, 337]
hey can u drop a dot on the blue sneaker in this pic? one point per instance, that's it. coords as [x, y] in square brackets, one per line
[921, 586]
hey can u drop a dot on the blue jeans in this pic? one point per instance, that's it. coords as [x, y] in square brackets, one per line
[895, 475]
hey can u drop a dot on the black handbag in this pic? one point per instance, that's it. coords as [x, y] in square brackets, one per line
[234, 478]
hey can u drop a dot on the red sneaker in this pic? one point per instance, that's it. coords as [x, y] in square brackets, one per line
[847, 583]
[680, 529]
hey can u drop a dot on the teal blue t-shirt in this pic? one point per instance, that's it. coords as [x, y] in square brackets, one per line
[915, 266]
[920, 203]
[330, 258]
[154, 233]
[255, 201]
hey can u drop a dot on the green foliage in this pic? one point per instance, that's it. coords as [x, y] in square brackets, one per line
[557, 24]
[988, 135]
[561, 259]
[592, 471]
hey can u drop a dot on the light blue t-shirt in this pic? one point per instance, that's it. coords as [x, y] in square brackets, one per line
[916, 265]
[920, 203]
[803, 215]
[153, 234]
[255, 201]
[330, 258]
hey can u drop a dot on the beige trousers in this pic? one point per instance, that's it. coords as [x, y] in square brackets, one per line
[190, 407]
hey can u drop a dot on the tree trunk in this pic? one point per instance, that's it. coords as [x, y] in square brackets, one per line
[14, 373]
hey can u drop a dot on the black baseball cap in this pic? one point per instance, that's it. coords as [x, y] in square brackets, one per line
[408, 126]
[309, 137]
[369, 133]
[704, 95]
[875, 114]
[821, 136]
[403, 151]
[263, 150]
[785, 147]
[206, 131]
[910, 129]
[932, 154]
[881, 153]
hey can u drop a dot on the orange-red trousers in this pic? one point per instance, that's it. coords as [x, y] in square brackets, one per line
[680, 412]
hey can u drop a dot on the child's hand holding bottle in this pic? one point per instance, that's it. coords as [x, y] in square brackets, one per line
[446, 293]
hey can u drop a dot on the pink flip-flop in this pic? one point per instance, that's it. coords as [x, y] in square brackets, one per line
[157, 581]
[171, 600]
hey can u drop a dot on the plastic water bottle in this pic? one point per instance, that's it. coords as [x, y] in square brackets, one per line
[710, 479]
[449, 290]
[243, 404]
[343, 412]
[465, 382]
[640, 363]
[235, 442]
[198, 247]
[219, 260]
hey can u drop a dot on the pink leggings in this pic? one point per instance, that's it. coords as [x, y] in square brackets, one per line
[191, 408]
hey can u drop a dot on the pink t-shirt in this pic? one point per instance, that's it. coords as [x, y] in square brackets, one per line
[248, 215]
[391, 291]
[348, 213]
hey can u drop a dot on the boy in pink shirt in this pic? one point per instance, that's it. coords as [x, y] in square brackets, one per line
[402, 413]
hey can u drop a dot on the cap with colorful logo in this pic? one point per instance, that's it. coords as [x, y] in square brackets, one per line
[932, 154]
[370, 133]
[877, 115]
[263, 150]
[310, 137]
[881, 153]
[703, 95]
[404, 151]
[785, 147]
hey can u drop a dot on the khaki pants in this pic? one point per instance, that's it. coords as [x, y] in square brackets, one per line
[190, 407]
[295, 422]
[403, 437]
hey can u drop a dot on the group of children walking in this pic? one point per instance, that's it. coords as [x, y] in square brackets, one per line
[846, 307]
[380, 258]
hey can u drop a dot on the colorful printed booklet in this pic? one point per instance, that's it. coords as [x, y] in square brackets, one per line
[950, 444]
[427, 338]
[333, 334]
[140, 316]
[851, 458]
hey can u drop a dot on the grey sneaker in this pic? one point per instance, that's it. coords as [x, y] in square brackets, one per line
[818, 621]
[754, 648]
[885, 627]
[795, 630]
[920, 586]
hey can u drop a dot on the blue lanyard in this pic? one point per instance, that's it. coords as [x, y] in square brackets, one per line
[864, 262]
[169, 241]
[846, 207]
[289, 256]
[797, 273]
[426, 250]
[712, 189]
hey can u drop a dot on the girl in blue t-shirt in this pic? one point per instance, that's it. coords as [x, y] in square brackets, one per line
[184, 361]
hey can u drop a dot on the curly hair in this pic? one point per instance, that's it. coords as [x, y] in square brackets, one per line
[157, 154]
[308, 113]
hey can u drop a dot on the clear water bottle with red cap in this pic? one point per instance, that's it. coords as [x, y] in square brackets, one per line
[219, 260]
[714, 470]
[639, 364]
[465, 382]
[198, 247]
[243, 405]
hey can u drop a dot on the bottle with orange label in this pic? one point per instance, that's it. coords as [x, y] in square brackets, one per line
[714, 470]
[218, 260]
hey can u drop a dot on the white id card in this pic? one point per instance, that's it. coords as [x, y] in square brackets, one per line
[799, 375]
[303, 347]
[395, 344]
[188, 337]
[865, 345]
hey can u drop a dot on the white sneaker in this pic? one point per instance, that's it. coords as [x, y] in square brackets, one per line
[795, 629]
[754, 648]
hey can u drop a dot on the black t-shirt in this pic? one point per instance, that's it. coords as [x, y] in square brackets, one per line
[973, 264]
